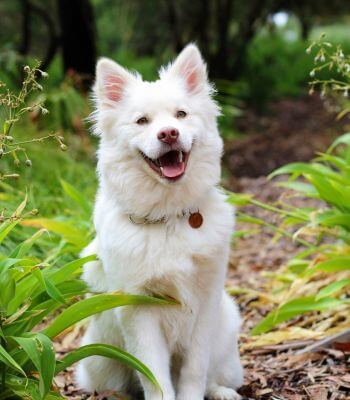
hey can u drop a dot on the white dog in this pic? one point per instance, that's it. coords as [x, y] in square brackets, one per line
[162, 227]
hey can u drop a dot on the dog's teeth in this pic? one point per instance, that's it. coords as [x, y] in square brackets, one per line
[161, 170]
[180, 156]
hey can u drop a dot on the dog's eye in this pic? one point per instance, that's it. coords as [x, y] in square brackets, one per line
[181, 114]
[142, 121]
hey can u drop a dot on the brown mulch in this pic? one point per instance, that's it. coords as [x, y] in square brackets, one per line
[292, 130]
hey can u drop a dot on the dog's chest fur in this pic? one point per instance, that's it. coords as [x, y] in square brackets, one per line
[171, 258]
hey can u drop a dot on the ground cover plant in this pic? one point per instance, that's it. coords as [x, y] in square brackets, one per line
[317, 279]
[41, 294]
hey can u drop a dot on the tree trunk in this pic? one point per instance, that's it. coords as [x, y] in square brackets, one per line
[256, 13]
[305, 27]
[78, 38]
[25, 35]
[173, 22]
[220, 61]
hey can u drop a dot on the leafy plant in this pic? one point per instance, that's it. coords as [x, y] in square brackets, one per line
[32, 292]
[317, 279]
[331, 59]
[41, 293]
[67, 106]
[13, 106]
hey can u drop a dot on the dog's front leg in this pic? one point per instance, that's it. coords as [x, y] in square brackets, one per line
[145, 340]
[193, 375]
[194, 370]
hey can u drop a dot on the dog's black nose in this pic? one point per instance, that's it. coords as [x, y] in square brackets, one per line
[168, 135]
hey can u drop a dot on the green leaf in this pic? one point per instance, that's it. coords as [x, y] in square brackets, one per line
[24, 247]
[66, 229]
[77, 196]
[8, 263]
[7, 289]
[302, 187]
[21, 207]
[66, 272]
[309, 170]
[9, 361]
[24, 290]
[2, 334]
[109, 351]
[95, 304]
[239, 199]
[48, 286]
[298, 265]
[338, 162]
[333, 265]
[293, 168]
[39, 349]
[24, 388]
[332, 192]
[333, 218]
[6, 227]
[343, 139]
[293, 308]
[332, 288]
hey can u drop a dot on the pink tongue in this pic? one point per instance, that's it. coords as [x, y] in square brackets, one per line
[171, 166]
[173, 171]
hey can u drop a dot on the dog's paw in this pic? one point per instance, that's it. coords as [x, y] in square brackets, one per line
[222, 393]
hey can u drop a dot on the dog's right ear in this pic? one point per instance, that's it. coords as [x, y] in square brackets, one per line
[111, 82]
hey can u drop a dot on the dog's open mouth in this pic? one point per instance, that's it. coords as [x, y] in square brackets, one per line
[171, 165]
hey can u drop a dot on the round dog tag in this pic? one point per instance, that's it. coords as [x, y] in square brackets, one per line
[195, 220]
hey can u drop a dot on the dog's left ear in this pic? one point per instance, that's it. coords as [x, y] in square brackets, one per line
[190, 66]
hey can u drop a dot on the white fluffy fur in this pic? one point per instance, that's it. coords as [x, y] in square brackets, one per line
[191, 349]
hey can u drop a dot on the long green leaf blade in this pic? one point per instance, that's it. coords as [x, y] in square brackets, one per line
[109, 351]
[95, 304]
[6, 358]
[40, 350]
